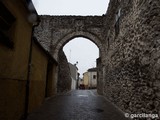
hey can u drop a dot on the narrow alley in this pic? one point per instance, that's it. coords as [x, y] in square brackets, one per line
[77, 105]
[38, 81]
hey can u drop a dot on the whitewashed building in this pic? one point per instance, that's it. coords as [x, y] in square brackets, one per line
[74, 75]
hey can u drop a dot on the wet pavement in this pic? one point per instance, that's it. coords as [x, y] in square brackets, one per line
[77, 105]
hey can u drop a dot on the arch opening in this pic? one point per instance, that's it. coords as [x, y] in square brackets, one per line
[77, 34]
[82, 50]
[81, 55]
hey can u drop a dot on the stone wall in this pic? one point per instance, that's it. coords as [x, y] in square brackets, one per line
[64, 75]
[133, 55]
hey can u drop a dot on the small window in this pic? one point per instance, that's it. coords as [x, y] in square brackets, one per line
[6, 22]
[118, 15]
[94, 76]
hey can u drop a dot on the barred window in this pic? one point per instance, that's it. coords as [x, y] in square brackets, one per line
[6, 21]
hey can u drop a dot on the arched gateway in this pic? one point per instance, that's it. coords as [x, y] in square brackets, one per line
[72, 35]
[53, 32]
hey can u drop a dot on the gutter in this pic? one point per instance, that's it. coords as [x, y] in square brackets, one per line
[28, 77]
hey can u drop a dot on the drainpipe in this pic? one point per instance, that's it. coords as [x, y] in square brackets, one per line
[34, 24]
[28, 77]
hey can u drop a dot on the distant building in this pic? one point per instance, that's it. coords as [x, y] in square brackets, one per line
[74, 75]
[90, 78]
[92, 73]
[85, 80]
[80, 81]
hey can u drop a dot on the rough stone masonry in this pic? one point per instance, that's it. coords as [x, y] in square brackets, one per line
[64, 75]
[133, 56]
[128, 37]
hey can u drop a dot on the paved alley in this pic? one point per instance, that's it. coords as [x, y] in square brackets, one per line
[77, 105]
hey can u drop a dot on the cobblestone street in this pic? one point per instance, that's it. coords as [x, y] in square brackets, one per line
[77, 105]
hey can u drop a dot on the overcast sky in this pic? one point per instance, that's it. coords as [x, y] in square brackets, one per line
[71, 7]
[82, 50]
[78, 49]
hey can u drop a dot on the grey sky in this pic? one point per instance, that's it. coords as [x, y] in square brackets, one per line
[78, 49]
[82, 50]
[71, 7]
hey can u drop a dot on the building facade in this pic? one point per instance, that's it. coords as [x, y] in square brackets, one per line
[92, 73]
[90, 78]
[27, 71]
[85, 80]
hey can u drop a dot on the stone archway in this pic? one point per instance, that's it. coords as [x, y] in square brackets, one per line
[73, 35]
[53, 32]
[94, 39]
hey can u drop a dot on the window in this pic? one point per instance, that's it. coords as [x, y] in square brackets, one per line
[94, 76]
[117, 22]
[6, 22]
